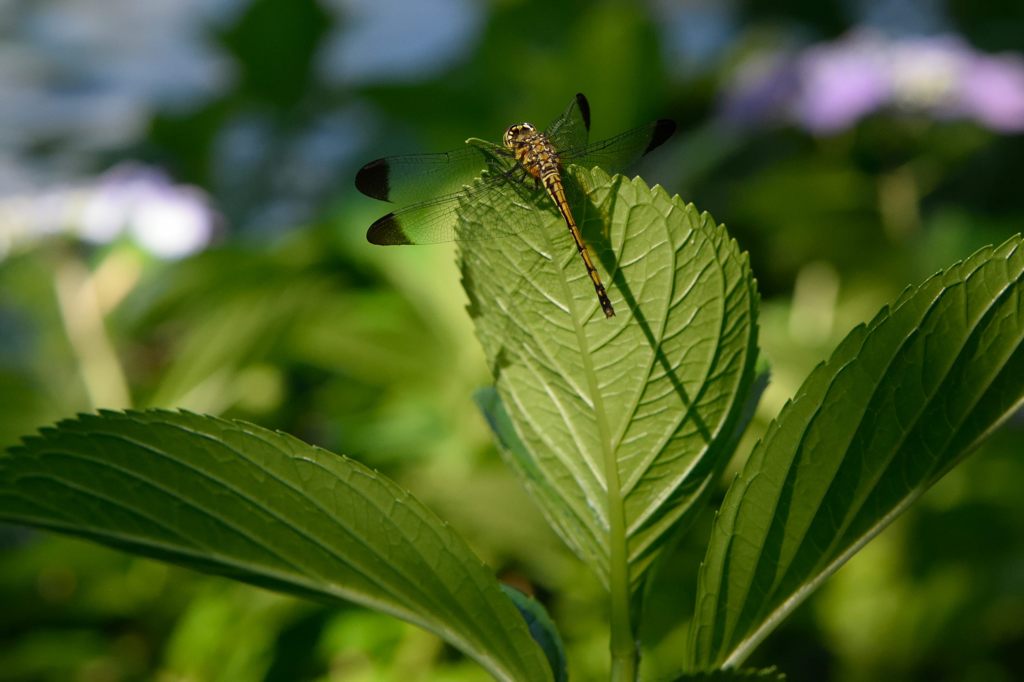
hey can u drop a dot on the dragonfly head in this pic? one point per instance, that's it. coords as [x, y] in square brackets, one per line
[517, 132]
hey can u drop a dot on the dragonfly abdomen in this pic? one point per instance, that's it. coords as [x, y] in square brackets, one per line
[552, 180]
[538, 156]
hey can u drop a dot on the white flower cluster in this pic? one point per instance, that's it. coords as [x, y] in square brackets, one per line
[129, 201]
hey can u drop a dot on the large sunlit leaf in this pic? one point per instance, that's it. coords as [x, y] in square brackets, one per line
[899, 403]
[626, 416]
[231, 498]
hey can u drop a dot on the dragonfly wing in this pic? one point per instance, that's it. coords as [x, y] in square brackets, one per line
[571, 130]
[620, 152]
[436, 220]
[418, 177]
[430, 222]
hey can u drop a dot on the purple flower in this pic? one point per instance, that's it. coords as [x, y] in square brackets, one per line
[828, 87]
[992, 93]
[840, 83]
[761, 90]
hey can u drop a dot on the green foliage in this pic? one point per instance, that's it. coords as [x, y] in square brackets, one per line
[259, 506]
[900, 402]
[290, 320]
[618, 427]
[626, 417]
[543, 630]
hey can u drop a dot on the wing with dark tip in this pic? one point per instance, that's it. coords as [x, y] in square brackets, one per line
[571, 130]
[435, 221]
[618, 153]
[419, 177]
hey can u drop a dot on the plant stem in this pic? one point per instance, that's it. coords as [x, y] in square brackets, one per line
[622, 644]
[623, 647]
[82, 318]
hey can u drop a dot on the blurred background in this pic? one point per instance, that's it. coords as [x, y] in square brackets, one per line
[178, 228]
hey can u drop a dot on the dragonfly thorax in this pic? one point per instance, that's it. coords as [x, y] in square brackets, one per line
[532, 149]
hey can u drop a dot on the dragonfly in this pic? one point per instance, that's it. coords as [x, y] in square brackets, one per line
[433, 186]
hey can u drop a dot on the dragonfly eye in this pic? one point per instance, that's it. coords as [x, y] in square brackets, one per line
[517, 131]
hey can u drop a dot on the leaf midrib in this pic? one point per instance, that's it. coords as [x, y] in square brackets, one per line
[908, 340]
[293, 575]
[199, 507]
[821, 570]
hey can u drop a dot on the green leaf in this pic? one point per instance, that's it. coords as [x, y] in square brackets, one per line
[543, 630]
[625, 417]
[231, 498]
[899, 403]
